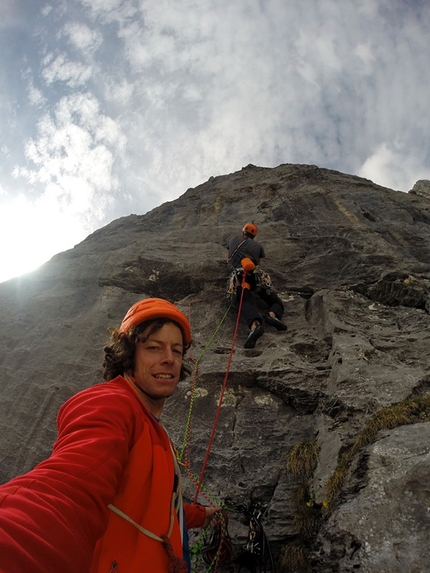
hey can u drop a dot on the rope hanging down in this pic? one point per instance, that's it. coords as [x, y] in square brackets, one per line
[217, 549]
[224, 386]
[185, 443]
[183, 456]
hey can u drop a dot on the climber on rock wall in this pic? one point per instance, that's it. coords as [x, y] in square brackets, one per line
[244, 255]
[109, 498]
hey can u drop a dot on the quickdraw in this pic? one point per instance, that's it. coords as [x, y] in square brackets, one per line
[256, 555]
[261, 277]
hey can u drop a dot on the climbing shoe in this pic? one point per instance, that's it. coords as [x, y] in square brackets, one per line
[253, 336]
[273, 321]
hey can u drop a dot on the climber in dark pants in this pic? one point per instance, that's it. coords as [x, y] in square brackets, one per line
[244, 255]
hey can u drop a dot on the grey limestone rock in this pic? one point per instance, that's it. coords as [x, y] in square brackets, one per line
[422, 188]
[386, 525]
[350, 260]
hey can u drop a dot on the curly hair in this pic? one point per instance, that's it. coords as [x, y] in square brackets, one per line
[120, 354]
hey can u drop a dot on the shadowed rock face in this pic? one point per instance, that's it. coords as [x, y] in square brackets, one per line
[350, 260]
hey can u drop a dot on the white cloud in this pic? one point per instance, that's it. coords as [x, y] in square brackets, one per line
[73, 157]
[394, 168]
[82, 37]
[119, 92]
[129, 102]
[35, 95]
[365, 55]
[61, 69]
[46, 10]
[269, 83]
[102, 6]
[110, 11]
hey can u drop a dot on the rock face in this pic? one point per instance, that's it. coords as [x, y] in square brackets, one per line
[397, 495]
[422, 187]
[350, 260]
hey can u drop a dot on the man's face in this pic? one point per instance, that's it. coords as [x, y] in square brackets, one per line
[158, 363]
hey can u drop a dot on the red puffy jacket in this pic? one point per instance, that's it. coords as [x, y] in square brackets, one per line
[110, 450]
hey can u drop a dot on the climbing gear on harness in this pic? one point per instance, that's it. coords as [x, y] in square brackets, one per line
[235, 280]
[263, 280]
[256, 555]
[253, 336]
[151, 308]
[259, 276]
[217, 547]
[250, 228]
[273, 321]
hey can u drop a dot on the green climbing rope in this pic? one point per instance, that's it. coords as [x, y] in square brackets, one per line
[193, 380]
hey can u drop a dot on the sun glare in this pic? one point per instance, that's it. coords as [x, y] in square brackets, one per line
[31, 233]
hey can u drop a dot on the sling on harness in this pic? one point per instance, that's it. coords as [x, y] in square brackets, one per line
[177, 564]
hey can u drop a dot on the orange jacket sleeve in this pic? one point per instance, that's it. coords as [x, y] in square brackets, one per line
[51, 518]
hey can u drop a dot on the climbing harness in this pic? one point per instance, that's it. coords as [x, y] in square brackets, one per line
[262, 280]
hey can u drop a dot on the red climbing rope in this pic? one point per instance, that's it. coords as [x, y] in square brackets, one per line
[218, 548]
[224, 386]
[185, 444]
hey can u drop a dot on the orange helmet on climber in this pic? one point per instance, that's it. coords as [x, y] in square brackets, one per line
[250, 229]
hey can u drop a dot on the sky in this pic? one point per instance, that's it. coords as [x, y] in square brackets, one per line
[113, 107]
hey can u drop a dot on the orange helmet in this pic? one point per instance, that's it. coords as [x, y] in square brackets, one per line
[150, 308]
[250, 228]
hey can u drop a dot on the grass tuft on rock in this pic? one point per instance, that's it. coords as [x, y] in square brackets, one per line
[295, 557]
[302, 459]
[409, 411]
